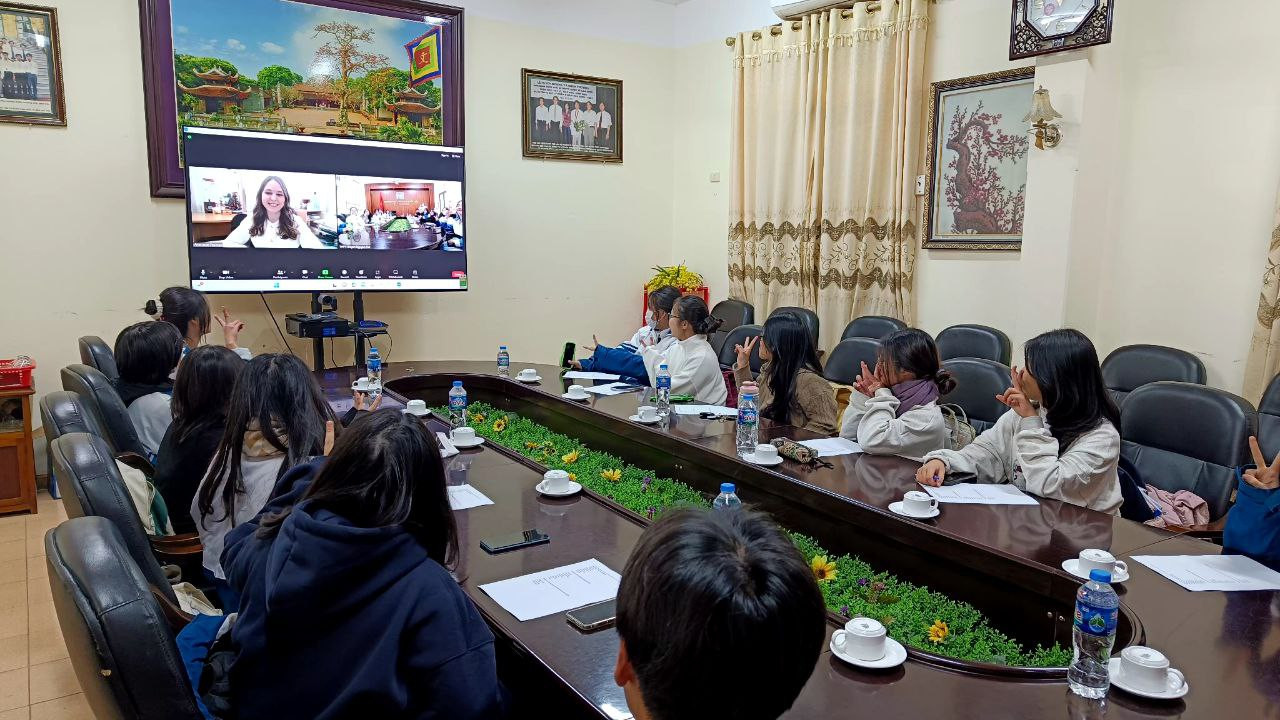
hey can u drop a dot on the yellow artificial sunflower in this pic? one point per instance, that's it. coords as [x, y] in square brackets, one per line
[823, 569]
[612, 475]
[532, 445]
[573, 478]
[938, 632]
[477, 418]
[500, 424]
[570, 459]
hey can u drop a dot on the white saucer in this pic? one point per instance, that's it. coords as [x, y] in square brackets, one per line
[896, 508]
[751, 458]
[573, 488]
[567, 396]
[894, 655]
[636, 419]
[355, 389]
[1072, 565]
[467, 445]
[1113, 669]
[528, 381]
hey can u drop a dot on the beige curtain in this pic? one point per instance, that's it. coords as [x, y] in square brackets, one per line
[1264, 352]
[827, 118]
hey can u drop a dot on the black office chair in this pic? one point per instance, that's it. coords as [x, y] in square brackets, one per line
[734, 313]
[61, 412]
[739, 336]
[974, 341]
[807, 316]
[978, 381]
[96, 353]
[1182, 436]
[872, 326]
[844, 364]
[1133, 366]
[119, 638]
[1269, 420]
[99, 396]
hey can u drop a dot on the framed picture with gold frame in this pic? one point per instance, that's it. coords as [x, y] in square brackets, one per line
[570, 117]
[30, 66]
[976, 167]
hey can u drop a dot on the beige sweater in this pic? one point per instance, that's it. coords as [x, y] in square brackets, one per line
[813, 402]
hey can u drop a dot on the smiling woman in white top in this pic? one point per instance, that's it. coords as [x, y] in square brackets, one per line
[894, 410]
[692, 362]
[274, 223]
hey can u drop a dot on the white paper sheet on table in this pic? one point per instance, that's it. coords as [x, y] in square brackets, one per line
[1213, 572]
[717, 410]
[447, 448]
[586, 375]
[831, 447]
[611, 389]
[557, 590]
[465, 497]
[975, 494]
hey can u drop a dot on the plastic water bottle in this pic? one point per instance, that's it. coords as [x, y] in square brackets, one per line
[748, 424]
[375, 372]
[504, 361]
[663, 382]
[1093, 635]
[728, 497]
[457, 405]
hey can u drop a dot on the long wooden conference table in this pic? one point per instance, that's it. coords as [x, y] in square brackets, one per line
[1005, 560]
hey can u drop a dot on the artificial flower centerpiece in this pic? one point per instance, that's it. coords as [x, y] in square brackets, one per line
[823, 569]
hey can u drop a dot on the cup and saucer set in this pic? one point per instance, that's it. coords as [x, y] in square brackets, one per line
[764, 454]
[864, 642]
[556, 483]
[916, 504]
[528, 376]
[646, 415]
[576, 392]
[1145, 672]
[1097, 560]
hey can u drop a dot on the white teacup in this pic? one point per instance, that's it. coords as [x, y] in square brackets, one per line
[555, 481]
[417, 408]
[862, 638]
[528, 374]
[1148, 669]
[361, 384]
[1093, 559]
[765, 453]
[577, 392]
[916, 502]
[462, 435]
[647, 413]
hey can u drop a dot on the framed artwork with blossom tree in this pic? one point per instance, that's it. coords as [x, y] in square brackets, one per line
[977, 161]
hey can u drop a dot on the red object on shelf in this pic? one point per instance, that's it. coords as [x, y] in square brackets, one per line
[16, 373]
[703, 292]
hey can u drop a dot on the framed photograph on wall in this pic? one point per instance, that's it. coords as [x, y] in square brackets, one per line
[30, 66]
[388, 70]
[977, 162]
[570, 117]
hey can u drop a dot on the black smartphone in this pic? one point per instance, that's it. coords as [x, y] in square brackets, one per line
[593, 617]
[567, 357]
[514, 541]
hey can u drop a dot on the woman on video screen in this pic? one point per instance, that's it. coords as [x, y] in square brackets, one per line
[274, 224]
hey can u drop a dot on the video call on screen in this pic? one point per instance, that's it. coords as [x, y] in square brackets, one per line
[280, 213]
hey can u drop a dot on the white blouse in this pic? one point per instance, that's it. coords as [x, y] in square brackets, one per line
[270, 237]
[694, 368]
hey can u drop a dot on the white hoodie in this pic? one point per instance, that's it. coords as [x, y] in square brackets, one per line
[873, 423]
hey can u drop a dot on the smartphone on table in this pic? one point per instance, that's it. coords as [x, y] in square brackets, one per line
[567, 358]
[594, 617]
[514, 541]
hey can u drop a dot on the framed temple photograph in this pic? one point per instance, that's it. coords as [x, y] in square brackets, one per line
[570, 117]
[378, 70]
[30, 66]
[976, 167]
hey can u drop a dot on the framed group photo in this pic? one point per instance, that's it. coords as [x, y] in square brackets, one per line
[30, 66]
[570, 117]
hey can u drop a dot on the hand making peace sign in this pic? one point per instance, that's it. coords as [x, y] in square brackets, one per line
[744, 352]
[1015, 397]
[1265, 476]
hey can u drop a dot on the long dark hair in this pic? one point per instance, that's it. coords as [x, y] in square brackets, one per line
[202, 390]
[277, 393]
[694, 311]
[913, 351]
[147, 352]
[288, 223]
[178, 306]
[386, 470]
[792, 348]
[1064, 364]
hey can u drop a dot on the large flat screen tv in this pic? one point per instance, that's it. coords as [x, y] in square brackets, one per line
[292, 213]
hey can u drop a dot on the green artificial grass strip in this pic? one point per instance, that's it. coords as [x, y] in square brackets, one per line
[907, 610]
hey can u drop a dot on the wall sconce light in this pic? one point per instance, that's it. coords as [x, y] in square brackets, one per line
[1041, 118]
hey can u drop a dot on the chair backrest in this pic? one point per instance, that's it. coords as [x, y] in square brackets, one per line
[734, 313]
[974, 341]
[807, 316]
[99, 396]
[85, 464]
[1129, 368]
[119, 641]
[872, 326]
[846, 358]
[62, 412]
[978, 381]
[96, 353]
[1269, 420]
[739, 336]
[1183, 436]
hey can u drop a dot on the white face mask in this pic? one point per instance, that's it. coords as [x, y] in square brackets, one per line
[650, 320]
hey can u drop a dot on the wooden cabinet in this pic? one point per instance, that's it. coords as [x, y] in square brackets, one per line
[17, 452]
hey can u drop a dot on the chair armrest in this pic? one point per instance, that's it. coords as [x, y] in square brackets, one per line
[137, 462]
[1211, 531]
[176, 546]
[172, 613]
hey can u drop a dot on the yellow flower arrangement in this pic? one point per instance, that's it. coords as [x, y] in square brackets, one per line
[532, 445]
[573, 478]
[612, 475]
[823, 569]
[938, 632]
[500, 424]
[477, 418]
[570, 458]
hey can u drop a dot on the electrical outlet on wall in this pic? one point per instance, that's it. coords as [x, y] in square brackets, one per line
[920, 181]
[715, 177]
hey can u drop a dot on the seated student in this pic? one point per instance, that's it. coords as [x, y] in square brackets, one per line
[1067, 449]
[716, 599]
[348, 608]
[276, 419]
[894, 411]
[692, 362]
[1253, 525]
[188, 310]
[623, 359]
[146, 355]
[792, 389]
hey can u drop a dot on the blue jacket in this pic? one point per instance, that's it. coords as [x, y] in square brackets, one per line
[622, 360]
[1253, 527]
[338, 621]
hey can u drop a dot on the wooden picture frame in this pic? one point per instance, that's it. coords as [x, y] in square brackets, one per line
[31, 90]
[595, 137]
[1025, 41]
[973, 168]
[160, 89]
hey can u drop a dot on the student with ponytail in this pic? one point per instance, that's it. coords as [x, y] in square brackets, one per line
[188, 310]
[692, 362]
[625, 359]
[894, 410]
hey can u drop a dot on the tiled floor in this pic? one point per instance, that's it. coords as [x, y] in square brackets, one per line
[36, 679]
